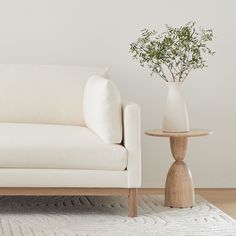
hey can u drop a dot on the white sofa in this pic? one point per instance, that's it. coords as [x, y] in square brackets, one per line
[45, 146]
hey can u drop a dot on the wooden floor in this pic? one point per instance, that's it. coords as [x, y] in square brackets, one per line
[225, 199]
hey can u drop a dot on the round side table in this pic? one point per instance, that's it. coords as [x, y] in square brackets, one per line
[179, 190]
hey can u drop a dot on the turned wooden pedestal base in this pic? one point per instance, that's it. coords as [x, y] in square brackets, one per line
[179, 191]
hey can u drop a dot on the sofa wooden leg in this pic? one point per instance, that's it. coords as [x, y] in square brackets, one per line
[133, 194]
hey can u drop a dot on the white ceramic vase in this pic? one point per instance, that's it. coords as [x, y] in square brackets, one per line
[176, 114]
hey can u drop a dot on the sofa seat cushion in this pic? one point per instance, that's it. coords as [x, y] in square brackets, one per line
[57, 146]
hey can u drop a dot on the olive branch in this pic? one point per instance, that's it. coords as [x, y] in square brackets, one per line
[175, 53]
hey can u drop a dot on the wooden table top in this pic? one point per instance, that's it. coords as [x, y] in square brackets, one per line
[191, 133]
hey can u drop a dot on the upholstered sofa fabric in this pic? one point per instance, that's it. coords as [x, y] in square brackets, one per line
[19, 177]
[103, 109]
[44, 141]
[57, 146]
[132, 141]
[50, 94]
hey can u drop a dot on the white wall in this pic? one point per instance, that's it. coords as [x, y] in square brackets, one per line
[99, 32]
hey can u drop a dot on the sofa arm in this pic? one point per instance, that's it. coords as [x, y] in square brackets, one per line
[132, 142]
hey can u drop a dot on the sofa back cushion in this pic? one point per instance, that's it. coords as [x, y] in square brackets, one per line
[50, 94]
[102, 109]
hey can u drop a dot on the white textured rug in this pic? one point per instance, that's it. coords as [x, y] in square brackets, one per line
[83, 216]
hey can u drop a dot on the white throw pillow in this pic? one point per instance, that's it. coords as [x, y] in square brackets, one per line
[102, 109]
